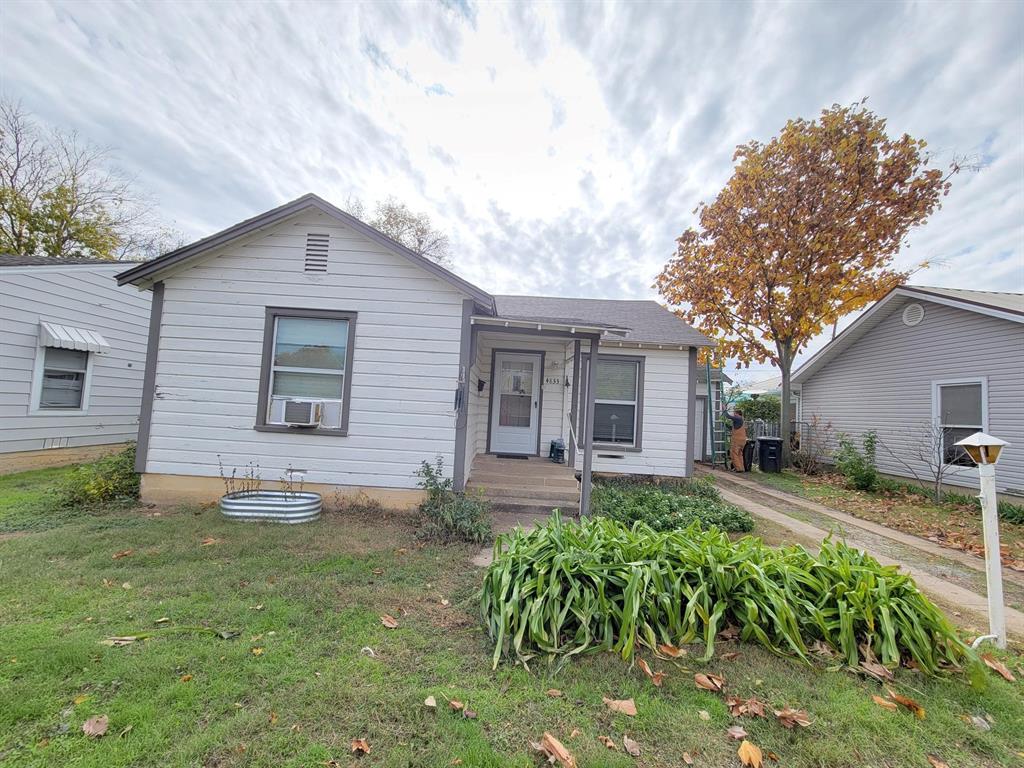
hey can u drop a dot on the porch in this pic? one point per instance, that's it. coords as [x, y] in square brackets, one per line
[525, 489]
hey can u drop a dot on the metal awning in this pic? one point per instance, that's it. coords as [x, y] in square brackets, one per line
[66, 337]
[547, 324]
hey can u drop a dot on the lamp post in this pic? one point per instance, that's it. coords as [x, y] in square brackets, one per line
[984, 450]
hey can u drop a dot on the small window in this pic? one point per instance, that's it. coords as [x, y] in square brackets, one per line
[617, 401]
[63, 382]
[960, 414]
[307, 360]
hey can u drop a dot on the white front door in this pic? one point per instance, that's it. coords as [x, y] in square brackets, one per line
[515, 402]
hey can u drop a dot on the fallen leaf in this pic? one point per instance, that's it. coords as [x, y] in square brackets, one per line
[729, 633]
[556, 751]
[630, 746]
[671, 651]
[574, 733]
[624, 706]
[909, 703]
[389, 621]
[185, 678]
[360, 747]
[378, 571]
[553, 693]
[257, 651]
[125, 731]
[656, 677]
[430, 702]
[162, 620]
[737, 732]
[687, 759]
[126, 585]
[228, 634]
[790, 718]
[994, 664]
[296, 728]
[978, 722]
[79, 699]
[884, 703]
[709, 682]
[752, 706]
[704, 715]
[208, 541]
[273, 717]
[937, 762]
[876, 670]
[117, 642]
[456, 705]
[750, 755]
[608, 742]
[123, 553]
[732, 656]
[469, 714]
[445, 602]
[96, 726]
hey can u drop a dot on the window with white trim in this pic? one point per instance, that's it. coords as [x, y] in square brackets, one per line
[960, 410]
[64, 377]
[308, 361]
[617, 401]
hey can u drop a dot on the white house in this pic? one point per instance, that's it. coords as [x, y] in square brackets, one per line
[72, 359]
[304, 338]
[926, 367]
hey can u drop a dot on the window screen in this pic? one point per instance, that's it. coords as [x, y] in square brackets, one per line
[309, 363]
[615, 409]
[960, 415]
[63, 383]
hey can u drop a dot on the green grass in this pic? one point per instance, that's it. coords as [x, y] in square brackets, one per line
[322, 588]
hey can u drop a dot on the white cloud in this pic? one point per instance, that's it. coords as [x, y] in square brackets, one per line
[563, 146]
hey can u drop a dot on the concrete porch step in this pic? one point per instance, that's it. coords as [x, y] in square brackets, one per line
[487, 479]
[512, 505]
[522, 491]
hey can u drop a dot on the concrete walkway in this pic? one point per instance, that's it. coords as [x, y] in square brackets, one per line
[958, 593]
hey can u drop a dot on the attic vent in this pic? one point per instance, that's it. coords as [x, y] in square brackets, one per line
[316, 252]
[913, 314]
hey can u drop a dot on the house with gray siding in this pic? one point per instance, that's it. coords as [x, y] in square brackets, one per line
[72, 359]
[927, 367]
[303, 338]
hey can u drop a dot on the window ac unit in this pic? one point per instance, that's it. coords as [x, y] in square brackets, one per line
[303, 413]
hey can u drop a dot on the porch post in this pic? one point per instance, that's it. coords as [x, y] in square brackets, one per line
[574, 406]
[588, 436]
[462, 396]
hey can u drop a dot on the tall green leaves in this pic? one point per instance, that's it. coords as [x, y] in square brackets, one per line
[567, 588]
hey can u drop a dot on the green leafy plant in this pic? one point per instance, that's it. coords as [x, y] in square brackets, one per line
[763, 407]
[566, 588]
[448, 515]
[112, 478]
[668, 506]
[1008, 511]
[856, 465]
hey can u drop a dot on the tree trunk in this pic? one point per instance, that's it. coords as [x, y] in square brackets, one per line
[786, 411]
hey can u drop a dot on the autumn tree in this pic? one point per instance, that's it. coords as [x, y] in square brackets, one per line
[60, 196]
[804, 232]
[413, 230]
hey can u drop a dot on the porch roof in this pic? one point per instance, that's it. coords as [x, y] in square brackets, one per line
[567, 325]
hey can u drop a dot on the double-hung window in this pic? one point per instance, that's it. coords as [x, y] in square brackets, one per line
[307, 357]
[618, 400]
[63, 379]
[960, 411]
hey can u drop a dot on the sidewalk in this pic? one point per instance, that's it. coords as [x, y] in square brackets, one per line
[953, 579]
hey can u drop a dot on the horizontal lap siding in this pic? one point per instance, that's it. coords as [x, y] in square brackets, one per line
[884, 382]
[82, 297]
[404, 370]
[664, 445]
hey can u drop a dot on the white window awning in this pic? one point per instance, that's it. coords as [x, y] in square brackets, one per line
[66, 337]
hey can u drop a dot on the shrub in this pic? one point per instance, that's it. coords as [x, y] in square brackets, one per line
[569, 588]
[858, 467]
[450, 516]
[1008, 511]
[764, 407]
[668, 507]
[112, 478]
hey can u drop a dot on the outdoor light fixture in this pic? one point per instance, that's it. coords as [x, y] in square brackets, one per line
[984, 451]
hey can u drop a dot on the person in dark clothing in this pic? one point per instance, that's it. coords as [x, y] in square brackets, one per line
[737, 440]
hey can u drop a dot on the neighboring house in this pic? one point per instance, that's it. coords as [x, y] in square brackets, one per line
[306, 315]
[927, 361]
[72, 358]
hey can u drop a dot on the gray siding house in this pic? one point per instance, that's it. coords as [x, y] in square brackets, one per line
[304, 338]
[72, 357]
[927, 366]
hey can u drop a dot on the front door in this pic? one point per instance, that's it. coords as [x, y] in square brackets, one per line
[515, 402]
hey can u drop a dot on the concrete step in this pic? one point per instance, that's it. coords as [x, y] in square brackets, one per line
[543, 494]
[487, 479]
[531, 507]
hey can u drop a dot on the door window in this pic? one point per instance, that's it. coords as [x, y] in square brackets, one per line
[515, 398]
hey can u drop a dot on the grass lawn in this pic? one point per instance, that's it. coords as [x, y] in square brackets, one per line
[299, 683]
[957, 526]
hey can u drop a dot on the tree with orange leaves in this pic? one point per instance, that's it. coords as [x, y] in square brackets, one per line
[803, 233]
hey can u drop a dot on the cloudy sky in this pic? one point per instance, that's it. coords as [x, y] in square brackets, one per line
[563, 147]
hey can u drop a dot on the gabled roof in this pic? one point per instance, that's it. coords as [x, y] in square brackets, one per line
[150, 271]
[14, 260]
[1007, 306]
[646, 322]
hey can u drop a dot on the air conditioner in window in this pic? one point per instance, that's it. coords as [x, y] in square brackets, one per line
[303, 413]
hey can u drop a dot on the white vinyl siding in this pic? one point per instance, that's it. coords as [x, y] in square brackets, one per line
[884, 381]
[404, 371]
[80, 296]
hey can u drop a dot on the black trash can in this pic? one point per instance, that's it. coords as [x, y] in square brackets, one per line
[748, 454]
[557, 451]
[769, 454]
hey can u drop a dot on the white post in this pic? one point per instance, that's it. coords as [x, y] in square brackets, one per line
[993, 560]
